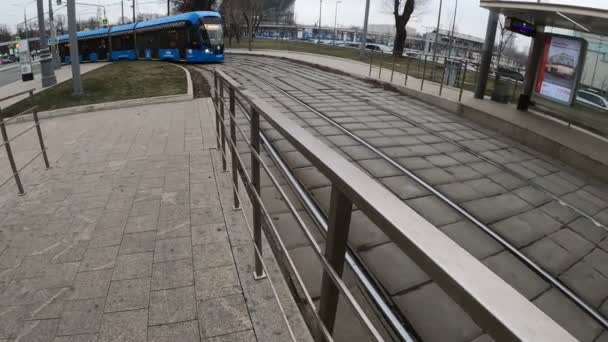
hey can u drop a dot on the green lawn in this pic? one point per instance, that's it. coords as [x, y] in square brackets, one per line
[113, 82]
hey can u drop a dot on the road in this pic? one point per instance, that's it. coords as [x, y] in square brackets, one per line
[14, 74]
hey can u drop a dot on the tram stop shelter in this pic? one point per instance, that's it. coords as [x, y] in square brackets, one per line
[558, 15]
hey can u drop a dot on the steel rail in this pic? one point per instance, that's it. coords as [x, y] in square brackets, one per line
[455, 143]
[29, 91]
[370, 285]
[522, 257]
[316, 248]
[27, 111]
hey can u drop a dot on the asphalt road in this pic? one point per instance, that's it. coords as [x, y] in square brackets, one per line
[14, 74]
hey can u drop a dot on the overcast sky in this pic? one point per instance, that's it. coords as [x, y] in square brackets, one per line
[471, 19]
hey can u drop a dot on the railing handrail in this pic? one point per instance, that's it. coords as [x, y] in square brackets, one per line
[494, 305]
[17, 94]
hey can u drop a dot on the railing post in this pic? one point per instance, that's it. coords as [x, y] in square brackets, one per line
[381, 60]
[514, 91]
[445, 65]
[217, 115]
[9, 153]
[371, 60]
[393, 68]
[255, 182]
[223, 126]
[40, 139]
[464, 78]
[423, 73]
[407, 72]
[340, 210]
[235, 165]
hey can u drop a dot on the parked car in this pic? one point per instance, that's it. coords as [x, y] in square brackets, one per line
[592, 99]
[5, 60]
[510, 73]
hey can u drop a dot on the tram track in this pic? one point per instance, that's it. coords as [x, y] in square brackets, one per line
[508, 246]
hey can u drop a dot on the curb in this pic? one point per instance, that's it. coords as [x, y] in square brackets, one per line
[189, 96]
[548, 145]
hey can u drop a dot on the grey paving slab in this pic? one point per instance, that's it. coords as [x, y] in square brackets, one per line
[93, 284]
[173, 249]
[182, 331]
[99, 258]
[126, 326]
[216, 282]
[587, 229]
[434, 210]
[525, 228]
[587, 281]
[172, 306]
[209, 233]
[509, 268]
[132, 266]
[172, 274]
[496, 208]
[128, 294]
[223, 315]
[472, 238]
[81, 317]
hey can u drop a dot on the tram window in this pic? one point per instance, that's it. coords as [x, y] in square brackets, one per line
[122, 42]
[173, 38]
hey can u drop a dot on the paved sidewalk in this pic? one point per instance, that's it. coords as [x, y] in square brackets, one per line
[131, 237]
[576, 147]
[62, 74]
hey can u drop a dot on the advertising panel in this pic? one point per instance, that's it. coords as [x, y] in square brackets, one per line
[560, 68]
[25, 61]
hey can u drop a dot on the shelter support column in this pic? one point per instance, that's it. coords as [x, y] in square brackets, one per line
[534, 56]
[486, 58]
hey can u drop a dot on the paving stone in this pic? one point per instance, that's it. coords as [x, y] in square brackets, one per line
[182, 332]
[359, 152]
[471, 190]
[404, 187]
[126, 326]
[172, 306]
[206, 215]
[602, 217]
[434, 210]
[223, 315]
[472, 238]
[379, 168]
[526, 228]
[173, 229]
[128, 295]
[81, 317]
[603, 337]
[212, 255]
[173, 249]
[311, 177]
[395, 270]
[243, 336]
[133, 266]
[172, 274]
[599, 260]
[587, 282]
[77, 338]
[290, 231]
[137, 243]
[532, 195]
[99, 259]
[507, 180]
[138, 224]
[551, 256]
[38, 330]
[587, 229]
[414, 163]
[483, 167]
[555, 184]
[559, 212]
[145, 208]
[496, 208]
[363, 233]
[217, 282]
[93, 284]
[436, 176]
[565, 313]
[514, 272]
[585, 201]
[424, 305]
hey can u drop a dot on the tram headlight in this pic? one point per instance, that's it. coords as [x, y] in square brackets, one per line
[207, 51]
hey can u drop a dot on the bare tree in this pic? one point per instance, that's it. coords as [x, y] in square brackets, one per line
[402, 11]
[181, 6]
[5, 33]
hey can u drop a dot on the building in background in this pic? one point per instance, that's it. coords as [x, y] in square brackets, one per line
[595, 70]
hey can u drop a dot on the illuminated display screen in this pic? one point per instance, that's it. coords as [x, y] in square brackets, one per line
[520, 26]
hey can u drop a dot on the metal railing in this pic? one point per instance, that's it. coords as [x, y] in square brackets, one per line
[422, 63]
[497, 308]
[6, 141]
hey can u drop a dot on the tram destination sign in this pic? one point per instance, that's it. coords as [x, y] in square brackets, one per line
[520, 26]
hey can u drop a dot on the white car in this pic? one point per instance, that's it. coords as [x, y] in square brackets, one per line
[592, 100]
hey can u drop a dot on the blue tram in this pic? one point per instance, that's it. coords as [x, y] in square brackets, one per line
[195, 37]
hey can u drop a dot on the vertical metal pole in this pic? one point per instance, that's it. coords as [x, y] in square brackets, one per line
[393, 68]
[371, 59]
[235, 165]
[445, 61]
[133, 10]
[122, 12]
[407, 72]
[255, 183]
[40, 139]
[168, 8]
[423, 73]
[217, 114]
[381, 60]
[486, 58]
[514, 91]
[9, 153]
[437, 33]
[46, 61]
[76, 82]
[464, 78]
[363, 45]
[335, 251]
[222, 125]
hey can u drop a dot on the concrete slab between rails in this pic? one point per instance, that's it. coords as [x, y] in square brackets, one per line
[189, 96]
[575, 147]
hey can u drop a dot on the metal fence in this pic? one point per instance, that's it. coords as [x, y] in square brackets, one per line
[496, 307]
[6, 141]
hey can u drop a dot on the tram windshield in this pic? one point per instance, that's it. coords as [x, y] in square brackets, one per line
[212, 30]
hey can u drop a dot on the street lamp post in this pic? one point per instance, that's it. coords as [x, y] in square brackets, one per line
[53, 29]
[46, 61]
[76, 81]
[364, 33]
[320, 16]
[436, 37]
[336, 21]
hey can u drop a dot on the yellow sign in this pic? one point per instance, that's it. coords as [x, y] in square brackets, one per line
[104, 22]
